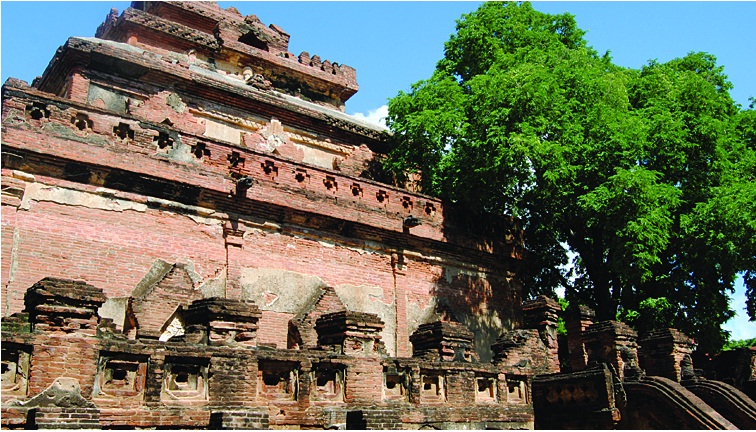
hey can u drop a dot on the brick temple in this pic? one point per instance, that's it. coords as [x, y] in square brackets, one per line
[195, 235]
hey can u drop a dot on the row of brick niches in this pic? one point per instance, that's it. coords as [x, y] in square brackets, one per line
[61, 363]
[244, 165]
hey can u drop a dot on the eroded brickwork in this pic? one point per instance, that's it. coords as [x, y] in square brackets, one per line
[618, 381]
[215, 375]
[194, 234]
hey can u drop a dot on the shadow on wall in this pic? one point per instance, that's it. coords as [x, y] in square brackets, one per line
[487, 302]
[482, 302]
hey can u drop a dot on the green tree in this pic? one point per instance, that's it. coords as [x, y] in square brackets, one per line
[646, 174]
[652, 313]
[739, 344]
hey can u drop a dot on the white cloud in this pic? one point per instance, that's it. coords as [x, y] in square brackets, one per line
[376, 116]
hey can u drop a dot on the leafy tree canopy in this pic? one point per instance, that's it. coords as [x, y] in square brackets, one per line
[739, 344]
[647, 175]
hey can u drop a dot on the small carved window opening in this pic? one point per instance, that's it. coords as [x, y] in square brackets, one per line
[269, 168]
[407, 203]
[37, 111]
[199, 150]
[357, 190]
[120, 375]
[430, 209]
[328, 383]
[235, 160]
[330, 183]
[432, 388]
[185, 378]
[382, 196]
[485, 390]
[394, 387]
[516, 392]
[15, 369]
[163, 140]
[301, 175]
[81, 122]
[123, 131]
[277, 380]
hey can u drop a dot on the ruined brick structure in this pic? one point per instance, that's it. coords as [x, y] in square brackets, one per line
[616, 380]
[195, 235]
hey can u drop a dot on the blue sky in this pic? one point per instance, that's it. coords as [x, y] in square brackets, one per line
[394, 44]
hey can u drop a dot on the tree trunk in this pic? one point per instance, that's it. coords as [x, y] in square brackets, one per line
[598, 272]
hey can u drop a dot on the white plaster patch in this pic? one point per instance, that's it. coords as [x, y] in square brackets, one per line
[174, 328]
[327, 244]
[370, 299]
[216, 286]
[451, 273]
[38, 192]
[24, 176]
[222, 131]
[280, 290]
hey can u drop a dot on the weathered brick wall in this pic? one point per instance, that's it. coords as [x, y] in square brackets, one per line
[165, 169]
[364, 382]
[62, 355]
[188, 383]
[9, 249]
[65, 234]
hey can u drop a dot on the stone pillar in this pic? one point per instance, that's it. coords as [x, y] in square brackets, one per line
[666, 353]
[233, 237]
[522, 352]
[613, 343]
[64, 305]
[444, 341]
[356, 334]
[576, 319]
[219, 321]
[63, 314]
[542, 314]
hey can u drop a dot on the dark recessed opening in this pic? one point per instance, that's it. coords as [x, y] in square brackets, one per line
[324, 378]
[119, 374]
[482, 385]
[163, 140]
[271, 378]
[123, 131]
[200, 150]
[235, 159]
[81, 122]
[251, 39]
[38, 111]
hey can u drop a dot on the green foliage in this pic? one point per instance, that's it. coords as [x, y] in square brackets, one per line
[561, 328]
[738, 344]
[652, 313]
[648, 175]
